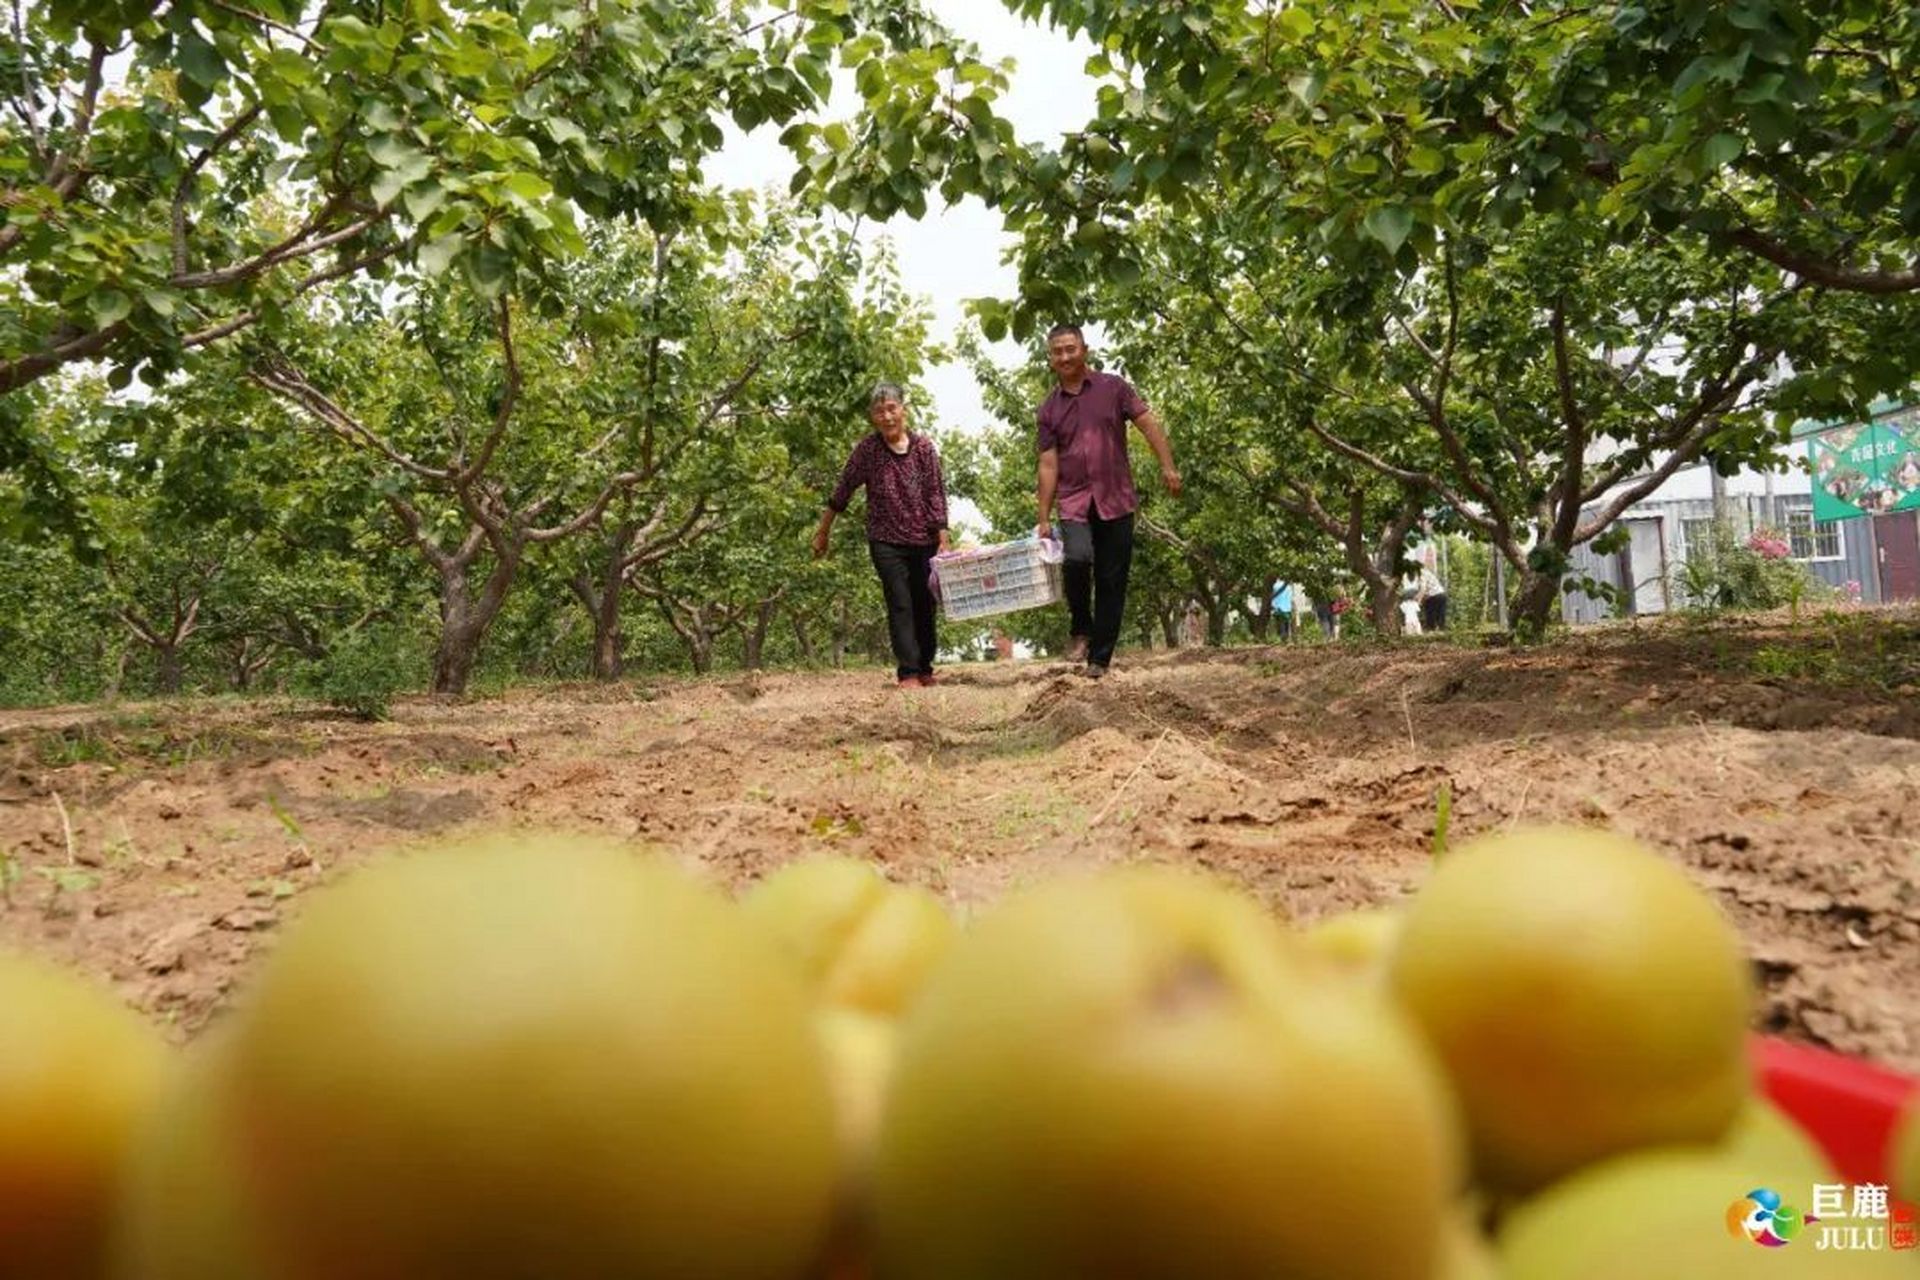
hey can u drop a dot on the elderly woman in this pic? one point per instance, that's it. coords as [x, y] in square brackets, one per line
[906, 525]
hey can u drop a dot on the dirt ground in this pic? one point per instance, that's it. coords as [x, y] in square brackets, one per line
[161, 845]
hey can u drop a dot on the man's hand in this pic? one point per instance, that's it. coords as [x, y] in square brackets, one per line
[819, 544]
[945, 546]
[1043, 530]
[1170, 477]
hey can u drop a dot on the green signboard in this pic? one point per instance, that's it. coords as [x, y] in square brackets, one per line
[1867, 469]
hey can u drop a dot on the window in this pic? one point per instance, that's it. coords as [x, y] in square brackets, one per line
[1813, 541]
[1697, 540]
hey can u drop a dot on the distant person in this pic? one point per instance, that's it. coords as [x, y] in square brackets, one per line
[1193, 627]
[906, 525]
[1083, 463]
[1282, 610]
[1433, 600]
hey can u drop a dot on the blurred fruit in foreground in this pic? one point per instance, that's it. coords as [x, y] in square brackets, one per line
[862, 941]
[1763, 1136]
[184, 1216]
[1465, 1253]
[1903, 1153]
[1676, 1215]
[78, 1074]
[859, 1050]
[532, 1057]
[1134, 1075]
[1586, 998]
[1358, 940]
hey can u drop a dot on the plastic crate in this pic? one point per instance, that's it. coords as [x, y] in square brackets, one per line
[1848, 1106]
[1005, 577]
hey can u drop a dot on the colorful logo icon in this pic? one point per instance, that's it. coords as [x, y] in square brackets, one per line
[1762, 1218]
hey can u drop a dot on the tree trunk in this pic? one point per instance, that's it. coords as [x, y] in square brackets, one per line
[802, 641]
[700, 647]
[1383, 606]
[167, 669]
[609, 641]
[464, 619]
[1216, 622]
[1260, 621]
[842, 635]
[754, 646]
[1170, 627]
[1533, 605]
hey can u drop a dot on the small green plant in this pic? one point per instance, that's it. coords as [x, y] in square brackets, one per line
[363, 672]
[1442, 816]
[10, 874]
[68, 879]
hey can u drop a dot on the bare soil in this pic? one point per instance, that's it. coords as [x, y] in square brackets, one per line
[160, 846]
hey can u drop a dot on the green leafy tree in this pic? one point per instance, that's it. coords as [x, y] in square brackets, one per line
[180, 173]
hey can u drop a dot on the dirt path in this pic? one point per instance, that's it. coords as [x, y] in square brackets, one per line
[161, 845]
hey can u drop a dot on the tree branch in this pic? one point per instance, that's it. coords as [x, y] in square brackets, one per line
[1822, 271]
[183, 190]
[1573, 456]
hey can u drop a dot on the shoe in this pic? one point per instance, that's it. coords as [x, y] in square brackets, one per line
[926, 680]
[909, 682]
[1094, 670]
[1077, 649]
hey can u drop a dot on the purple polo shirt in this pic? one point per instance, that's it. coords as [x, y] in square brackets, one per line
[1089, 428]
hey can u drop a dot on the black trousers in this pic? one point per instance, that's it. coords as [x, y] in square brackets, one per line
[1433, 613]
[1099, 554]
[903, 582]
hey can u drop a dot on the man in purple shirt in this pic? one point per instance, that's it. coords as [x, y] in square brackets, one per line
[1083, 462]
[906, 525]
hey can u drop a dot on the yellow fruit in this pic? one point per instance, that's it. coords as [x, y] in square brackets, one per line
[861, 941]
[1586, 998]
[185, 1216]
[859, 1050]
[1903, 1153]
[1357, 940]
[1765, 1137]
[78, 1074]
[1134, 1075]
[1672, 1215]
[1465, 1253]
[544, 1058]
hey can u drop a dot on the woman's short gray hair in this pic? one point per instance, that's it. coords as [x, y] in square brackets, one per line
[885, 391]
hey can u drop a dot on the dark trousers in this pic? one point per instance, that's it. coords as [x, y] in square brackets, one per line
[1099, 554]
[903, 582]
[1433, 613]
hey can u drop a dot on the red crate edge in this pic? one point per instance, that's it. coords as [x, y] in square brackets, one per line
[1848, 1105]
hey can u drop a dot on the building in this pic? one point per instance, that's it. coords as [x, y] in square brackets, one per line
[1847, 500]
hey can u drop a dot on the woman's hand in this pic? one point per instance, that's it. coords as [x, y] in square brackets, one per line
[820, 543]
[945, 546]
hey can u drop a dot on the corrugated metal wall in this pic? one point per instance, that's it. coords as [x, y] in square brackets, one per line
[1673, 520]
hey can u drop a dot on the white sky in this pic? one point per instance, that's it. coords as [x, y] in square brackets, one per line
[954, 253]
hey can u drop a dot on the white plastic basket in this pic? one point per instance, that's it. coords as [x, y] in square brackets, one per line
[980, 582]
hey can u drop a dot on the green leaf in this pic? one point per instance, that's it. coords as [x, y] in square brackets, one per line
[200, 61]
[1296, 22]
[1721, 150]
[108, 306]
[423, 199]
[1307, 86]
[387, 186]
[1390, 224]
[527, 186]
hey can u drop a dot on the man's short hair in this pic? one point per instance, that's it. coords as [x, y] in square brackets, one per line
[1073, 329]
[884, 392]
